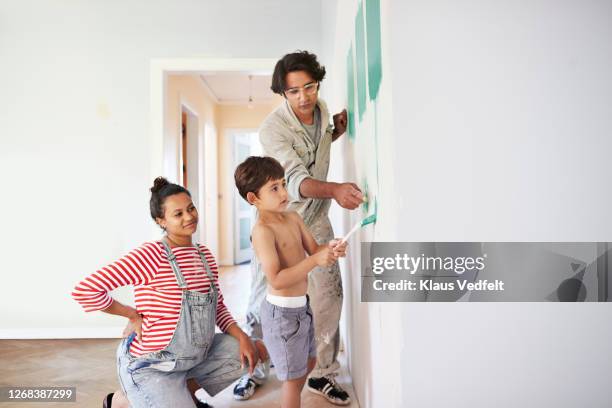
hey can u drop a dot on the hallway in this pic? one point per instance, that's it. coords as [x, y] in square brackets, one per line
[88, 364]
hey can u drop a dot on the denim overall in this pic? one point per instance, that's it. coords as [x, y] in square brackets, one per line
[158, 379]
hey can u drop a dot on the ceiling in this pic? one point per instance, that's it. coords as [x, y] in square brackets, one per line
[234, 89]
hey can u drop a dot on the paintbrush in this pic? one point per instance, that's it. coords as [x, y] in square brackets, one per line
[368, 220]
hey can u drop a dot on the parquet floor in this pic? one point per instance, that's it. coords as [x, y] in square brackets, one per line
[89, 364]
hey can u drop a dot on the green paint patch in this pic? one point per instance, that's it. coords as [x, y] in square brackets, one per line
[374, 47]
[375, 208]
[366, 193]
[360, 59]
[369, 220]
[350, 88]
[364, 79]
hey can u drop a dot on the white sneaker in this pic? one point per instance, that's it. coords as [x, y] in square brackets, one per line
[245, 388]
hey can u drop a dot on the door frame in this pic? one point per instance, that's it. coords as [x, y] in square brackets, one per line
[160, 69]
[233, 133]
[197, 150]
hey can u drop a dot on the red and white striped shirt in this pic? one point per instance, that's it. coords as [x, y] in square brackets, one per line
[156, 292]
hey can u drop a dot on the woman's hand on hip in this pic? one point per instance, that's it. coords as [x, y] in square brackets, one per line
[134, 325]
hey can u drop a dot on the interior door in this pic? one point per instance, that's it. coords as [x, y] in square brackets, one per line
[244, 213]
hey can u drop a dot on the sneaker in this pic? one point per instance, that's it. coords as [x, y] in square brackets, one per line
[261, 372]
[108, 401]
[328, 388]
[245, 388]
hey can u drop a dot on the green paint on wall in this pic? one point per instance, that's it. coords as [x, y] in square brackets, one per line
[374, 47]
[360, 59]
[366, 193]
[350, 88]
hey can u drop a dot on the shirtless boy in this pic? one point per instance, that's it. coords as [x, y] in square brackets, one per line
[282, 242]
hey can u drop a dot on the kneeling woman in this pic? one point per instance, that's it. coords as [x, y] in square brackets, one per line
[178, 301]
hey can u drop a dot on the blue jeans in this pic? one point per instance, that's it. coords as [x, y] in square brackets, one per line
[195, 352]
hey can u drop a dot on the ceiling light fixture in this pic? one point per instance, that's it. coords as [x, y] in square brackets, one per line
[250, 104]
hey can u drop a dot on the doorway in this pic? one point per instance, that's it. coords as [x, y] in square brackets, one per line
[192, 153]
[230, 111]
[246, 143]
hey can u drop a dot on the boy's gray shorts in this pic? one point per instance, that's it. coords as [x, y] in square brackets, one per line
[288, 334]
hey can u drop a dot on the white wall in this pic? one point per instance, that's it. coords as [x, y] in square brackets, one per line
[74, 131]
[502, 115]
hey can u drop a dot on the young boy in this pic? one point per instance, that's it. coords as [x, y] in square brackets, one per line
[281, 241]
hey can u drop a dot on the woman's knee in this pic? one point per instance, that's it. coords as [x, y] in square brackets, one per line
[225, 346]
[120, 400]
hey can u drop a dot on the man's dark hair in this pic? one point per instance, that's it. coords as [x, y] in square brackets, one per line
[256, 171]
[297, 61]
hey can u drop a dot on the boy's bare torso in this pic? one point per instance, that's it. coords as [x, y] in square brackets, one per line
[289, 248]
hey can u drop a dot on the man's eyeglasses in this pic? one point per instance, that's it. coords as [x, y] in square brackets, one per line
[309, 89]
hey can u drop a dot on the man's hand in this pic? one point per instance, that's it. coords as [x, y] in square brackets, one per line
[340, 121]
[348, 195]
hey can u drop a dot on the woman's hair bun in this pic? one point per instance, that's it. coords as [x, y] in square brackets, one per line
[162, 189]
[158, 184]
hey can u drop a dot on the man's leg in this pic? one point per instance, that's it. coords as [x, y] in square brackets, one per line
[247, 384]
[257, 294]
[325, 295]
[325, 292]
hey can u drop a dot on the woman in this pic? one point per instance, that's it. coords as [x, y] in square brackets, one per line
[178, 301]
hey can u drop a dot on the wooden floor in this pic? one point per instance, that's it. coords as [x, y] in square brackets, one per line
[89, 365]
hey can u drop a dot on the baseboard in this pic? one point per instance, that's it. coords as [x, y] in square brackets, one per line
[63, 333]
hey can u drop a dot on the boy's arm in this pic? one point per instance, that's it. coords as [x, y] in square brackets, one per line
[310, 244]
[263, 243]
